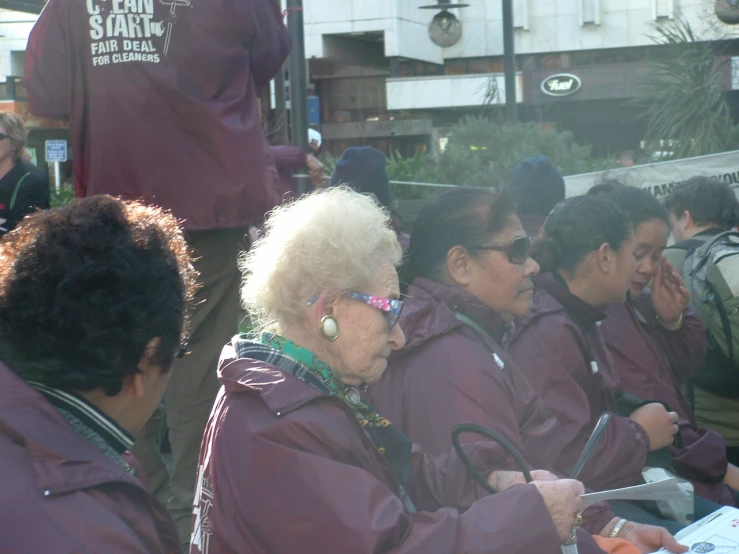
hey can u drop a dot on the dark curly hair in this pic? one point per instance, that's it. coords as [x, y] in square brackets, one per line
[577, 227]
[463, 216]
[85, 287]
[709, 200]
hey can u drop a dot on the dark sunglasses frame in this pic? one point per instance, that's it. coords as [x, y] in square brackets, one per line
[510, 248]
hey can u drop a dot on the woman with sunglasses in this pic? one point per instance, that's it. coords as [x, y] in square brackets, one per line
[294, 460]
[470, 274]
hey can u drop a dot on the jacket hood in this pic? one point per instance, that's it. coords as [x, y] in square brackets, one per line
[279, 391]
[62, 461]
[429, 312]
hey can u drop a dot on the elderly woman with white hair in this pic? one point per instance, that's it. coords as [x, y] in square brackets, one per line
[295, 461]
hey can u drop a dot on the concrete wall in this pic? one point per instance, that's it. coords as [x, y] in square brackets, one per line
[403, 25]
[542, 25]
[458, 91]
[14, 30]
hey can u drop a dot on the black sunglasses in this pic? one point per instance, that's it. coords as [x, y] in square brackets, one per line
[3, 136]
[517, 250]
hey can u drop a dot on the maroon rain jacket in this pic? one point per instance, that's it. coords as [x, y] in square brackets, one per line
[161, 100]
[445, 375]
[59, 493]
[654, 363]
[284, 468]
[561, 350]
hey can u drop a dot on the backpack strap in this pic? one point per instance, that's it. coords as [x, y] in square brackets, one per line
[16, 189]
[688, 245]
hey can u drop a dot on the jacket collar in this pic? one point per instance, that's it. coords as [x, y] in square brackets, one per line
[113, 434]
[429, 312]
[243, 375]
[62, 461]
[583, 313]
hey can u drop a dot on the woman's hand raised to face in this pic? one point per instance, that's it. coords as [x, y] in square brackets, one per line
[669, 295]
[562, 498]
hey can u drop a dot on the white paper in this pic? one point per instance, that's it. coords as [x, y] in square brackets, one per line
[667, 489]
[717, 533]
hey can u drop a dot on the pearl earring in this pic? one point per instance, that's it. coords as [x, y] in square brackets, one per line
[330, 327]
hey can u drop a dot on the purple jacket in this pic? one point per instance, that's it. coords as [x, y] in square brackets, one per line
[161, 100]
[654, 363]
[59, 493]
[557, 346]
[445, 376]
[284, 468]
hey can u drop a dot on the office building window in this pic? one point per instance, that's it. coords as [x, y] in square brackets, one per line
[590, 12]
[663, 9]
[521, 14]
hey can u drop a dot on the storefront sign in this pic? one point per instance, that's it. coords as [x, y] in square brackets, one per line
[377, 129]
[562, 84]
[660, 178]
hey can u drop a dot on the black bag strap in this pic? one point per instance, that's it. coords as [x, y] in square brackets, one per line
[17, 187]
[479, 330]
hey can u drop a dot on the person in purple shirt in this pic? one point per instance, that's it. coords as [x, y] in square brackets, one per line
[658, 344]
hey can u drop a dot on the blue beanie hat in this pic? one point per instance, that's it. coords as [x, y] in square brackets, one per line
[537, 186]
[364, 169]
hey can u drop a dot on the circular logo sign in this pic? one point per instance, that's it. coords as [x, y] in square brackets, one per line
[562, 84]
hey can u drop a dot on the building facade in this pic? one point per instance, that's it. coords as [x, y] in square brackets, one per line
[381, 80]
[375, 76]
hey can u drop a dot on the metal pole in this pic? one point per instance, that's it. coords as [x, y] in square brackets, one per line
[57, 177]
[298, 88]
[282, 135]
[509, 63]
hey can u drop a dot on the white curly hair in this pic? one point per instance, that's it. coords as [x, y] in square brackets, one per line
[333, 239]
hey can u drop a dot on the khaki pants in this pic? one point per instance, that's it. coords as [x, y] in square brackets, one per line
[194, 384]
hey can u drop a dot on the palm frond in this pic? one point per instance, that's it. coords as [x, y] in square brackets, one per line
[683, 98]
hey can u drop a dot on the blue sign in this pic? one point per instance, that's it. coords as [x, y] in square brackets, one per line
[56, 150]
[314, 111]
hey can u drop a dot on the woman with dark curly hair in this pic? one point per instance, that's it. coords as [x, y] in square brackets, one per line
[94, 299]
